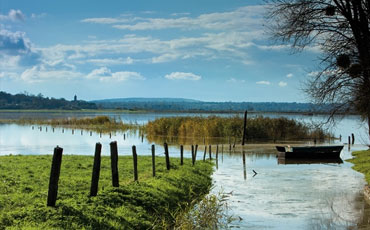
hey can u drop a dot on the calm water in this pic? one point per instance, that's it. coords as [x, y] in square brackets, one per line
[280, 196]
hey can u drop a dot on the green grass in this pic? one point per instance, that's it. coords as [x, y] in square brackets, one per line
[134, 205]
[361, 163]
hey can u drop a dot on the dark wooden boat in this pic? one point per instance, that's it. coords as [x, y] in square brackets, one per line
[310, 152]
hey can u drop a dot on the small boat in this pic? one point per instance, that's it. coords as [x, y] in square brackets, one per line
[309, 152]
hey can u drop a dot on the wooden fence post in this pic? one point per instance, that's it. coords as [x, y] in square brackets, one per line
[210, 152]
[196, 150]
[73, 131]
[205, 152]
[192, 155]
[114, 163]
[244, 167]
[134, 156]
[349, 142]
[245, 127]
[153, 160]
[54, 176]
[353, 138]
[167, 156]
[181, 155]
[216, 152]
[81, 132]
[96, 170]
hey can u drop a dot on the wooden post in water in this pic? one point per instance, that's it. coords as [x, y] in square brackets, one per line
[124, 136]
[134, 156]
[153, 160]
[340, 137]
[90, 133]
[216, 152]
[181, 155]
[167, 156]
[46, 129]
[205, 152]
[110, 135]
[54, 176]
[245, 127]
[349, 142]
[33, 128]
[353, 138]
[81, 132]
[73, 131]
[114, 163]
[96, 171]
[100, 134]
[53, 129]
[142, 138]
[210, 152]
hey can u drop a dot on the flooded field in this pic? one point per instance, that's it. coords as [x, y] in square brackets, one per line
[265, 192]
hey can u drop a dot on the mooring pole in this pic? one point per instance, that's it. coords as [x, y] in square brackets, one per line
[245, 126]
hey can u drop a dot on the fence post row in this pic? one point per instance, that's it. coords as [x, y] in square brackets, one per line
[114, 163]
[96, 170]
[54, 176]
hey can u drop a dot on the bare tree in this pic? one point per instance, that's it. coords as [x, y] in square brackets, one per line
[341, 29]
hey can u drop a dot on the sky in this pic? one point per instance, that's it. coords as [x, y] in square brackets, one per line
[210, 50]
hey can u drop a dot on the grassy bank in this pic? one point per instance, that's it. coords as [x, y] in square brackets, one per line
[212, 126]
[361, 163]
[98, 123]
[134, 205]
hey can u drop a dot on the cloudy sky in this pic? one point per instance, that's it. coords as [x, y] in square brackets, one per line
[212, 50]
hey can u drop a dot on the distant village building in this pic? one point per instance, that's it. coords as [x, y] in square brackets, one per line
[75, 98]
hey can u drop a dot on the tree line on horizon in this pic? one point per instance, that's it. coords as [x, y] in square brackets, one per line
[27, 101]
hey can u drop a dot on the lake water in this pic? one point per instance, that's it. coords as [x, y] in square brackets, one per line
[282, 195]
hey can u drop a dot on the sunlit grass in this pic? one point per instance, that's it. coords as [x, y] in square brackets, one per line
[134, 205]
[361, 163]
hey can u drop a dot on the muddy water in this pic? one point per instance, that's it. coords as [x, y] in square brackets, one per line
[280, 195]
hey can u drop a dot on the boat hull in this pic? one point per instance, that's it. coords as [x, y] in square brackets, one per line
[311, 152]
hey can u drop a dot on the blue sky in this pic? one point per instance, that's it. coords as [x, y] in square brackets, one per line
[210, 50]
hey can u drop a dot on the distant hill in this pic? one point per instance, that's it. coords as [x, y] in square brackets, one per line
[189, 105]
[26, 101]
[146, 100]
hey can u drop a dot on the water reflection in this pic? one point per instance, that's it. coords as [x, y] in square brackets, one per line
[286, 161]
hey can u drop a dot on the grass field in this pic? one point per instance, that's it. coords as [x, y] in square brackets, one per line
[361, 163]
[145, 204]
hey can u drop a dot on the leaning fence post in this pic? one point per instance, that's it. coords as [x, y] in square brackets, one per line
[181, 155]
[195, 153]
[114, 163]
[96, 170]
[167, 156]
[153, 160]
[54, 176]
[353, 138]
[134, 156]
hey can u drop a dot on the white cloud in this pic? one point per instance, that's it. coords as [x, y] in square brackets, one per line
[110, 61]
[243, 18]
[105, 74]
[105, 20]
[13, 15]
[183, 76]
[41, 73]
[263, 83]
[289, 75]
[34, 16]
[282, 84]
